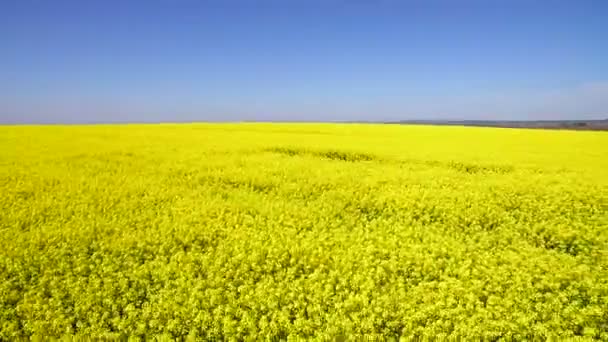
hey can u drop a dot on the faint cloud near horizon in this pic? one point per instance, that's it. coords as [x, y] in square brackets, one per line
[586, 101]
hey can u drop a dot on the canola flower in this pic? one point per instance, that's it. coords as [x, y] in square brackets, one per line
[302, 231]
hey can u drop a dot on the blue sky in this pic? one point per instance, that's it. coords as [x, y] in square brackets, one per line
[186, 60]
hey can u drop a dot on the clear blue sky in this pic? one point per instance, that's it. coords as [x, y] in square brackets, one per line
[176, 60]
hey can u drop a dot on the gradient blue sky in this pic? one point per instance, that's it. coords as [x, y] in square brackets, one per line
[176, 60]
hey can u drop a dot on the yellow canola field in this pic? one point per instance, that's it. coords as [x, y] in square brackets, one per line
[287, 231]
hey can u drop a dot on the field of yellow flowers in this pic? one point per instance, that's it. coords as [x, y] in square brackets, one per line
[280, 231]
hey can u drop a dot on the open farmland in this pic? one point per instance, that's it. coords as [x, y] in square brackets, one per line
[255, 231]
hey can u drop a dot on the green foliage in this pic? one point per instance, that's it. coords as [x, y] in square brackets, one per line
[331, 232]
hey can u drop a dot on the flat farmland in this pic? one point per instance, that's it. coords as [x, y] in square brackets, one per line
[286, 231]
